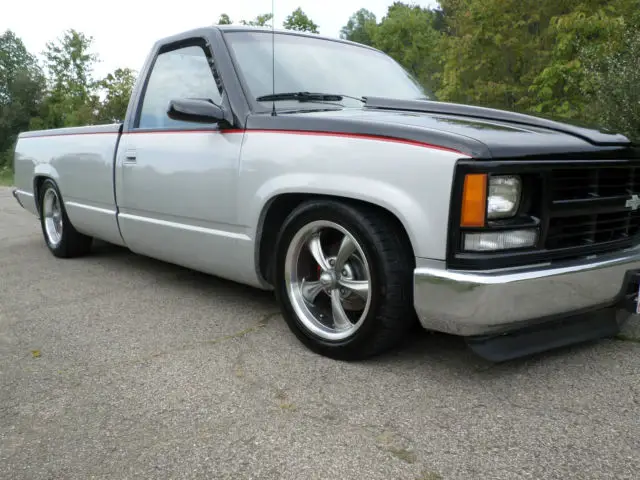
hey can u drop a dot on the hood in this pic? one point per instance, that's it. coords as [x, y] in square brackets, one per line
[482, 133]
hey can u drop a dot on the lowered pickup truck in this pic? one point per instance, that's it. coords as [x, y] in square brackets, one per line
[330, 176]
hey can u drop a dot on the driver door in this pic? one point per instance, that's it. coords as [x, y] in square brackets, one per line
[176, 181]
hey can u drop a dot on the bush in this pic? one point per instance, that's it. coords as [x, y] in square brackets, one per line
[6, 160]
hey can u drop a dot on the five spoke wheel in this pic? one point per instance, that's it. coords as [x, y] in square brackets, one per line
[60, 235]
[52, 213]
[328, 280]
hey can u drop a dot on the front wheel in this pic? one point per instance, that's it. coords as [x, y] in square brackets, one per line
[61, 237]
[344, 279]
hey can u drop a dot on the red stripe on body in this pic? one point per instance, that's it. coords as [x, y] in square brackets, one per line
[364, 136]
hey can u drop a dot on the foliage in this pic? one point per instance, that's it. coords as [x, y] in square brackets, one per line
[60, 93]
[574, 59]
[560, 86]
[491, 50]
[117, 87]
[407, 33]
[21, 91]
[263, 20]
[360, 27]
[6, 175]
[612, 88]
[298, 20]
[71, 99]
[224, 20]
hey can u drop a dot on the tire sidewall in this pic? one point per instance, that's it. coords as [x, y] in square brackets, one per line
[348, 219]
[59, 249]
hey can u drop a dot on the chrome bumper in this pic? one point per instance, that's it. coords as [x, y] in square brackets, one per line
[478, 303]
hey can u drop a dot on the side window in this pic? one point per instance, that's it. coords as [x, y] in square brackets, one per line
[180, 73]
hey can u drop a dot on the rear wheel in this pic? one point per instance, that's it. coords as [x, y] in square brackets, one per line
[344, 279]
[62, 239]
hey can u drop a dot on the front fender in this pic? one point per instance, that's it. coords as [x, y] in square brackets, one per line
[410, 181]
[384, 195]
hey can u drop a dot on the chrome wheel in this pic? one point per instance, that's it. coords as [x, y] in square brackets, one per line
[52, 213]
[328, 280]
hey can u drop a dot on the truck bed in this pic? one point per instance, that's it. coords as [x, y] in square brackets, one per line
[80, 160]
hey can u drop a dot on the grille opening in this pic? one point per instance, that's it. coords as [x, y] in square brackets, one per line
[575, 184]
[585, 230]
[592, 185]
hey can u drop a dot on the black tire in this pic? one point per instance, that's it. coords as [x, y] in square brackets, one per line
[72, 243]
[391, 262]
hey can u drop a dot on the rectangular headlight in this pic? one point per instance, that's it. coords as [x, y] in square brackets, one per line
[504, 196]
[504, 240]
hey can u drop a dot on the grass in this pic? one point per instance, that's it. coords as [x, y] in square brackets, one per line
[6, 176]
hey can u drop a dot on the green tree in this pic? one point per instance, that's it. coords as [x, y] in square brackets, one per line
[71, 98]
[299, 21]
[524, 56]
[21, 91]
[117, 87]
[360, 28]
[408, 34]
[494, 49]
[559, 87]
[260, 21]
[224, 20]
[612, 88]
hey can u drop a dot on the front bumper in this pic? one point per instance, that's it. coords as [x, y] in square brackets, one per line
[481, 303]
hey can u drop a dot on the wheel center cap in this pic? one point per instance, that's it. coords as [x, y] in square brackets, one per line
[327, 279]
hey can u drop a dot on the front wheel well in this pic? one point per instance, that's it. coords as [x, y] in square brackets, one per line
[279, 209]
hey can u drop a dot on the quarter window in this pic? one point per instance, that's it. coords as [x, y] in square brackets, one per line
[182, 73]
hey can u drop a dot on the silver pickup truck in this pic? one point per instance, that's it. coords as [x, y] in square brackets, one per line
[329, 175]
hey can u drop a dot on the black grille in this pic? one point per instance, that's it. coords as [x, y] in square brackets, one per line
[588, 207]
[586, 183]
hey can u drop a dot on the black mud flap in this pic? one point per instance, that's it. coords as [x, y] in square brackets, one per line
[557, 333]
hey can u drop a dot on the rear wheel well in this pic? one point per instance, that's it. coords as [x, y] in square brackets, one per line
[279, 209]
[37, 184]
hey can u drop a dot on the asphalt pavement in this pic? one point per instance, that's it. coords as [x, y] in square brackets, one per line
[119, 366]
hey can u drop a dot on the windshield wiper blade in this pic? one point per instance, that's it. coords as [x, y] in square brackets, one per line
[306, 97]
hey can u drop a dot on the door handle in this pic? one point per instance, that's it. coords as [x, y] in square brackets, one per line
[130, 155]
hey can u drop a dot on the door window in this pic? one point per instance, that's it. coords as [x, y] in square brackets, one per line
[182, 73]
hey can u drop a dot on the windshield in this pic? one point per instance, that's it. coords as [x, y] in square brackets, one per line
[307, 64]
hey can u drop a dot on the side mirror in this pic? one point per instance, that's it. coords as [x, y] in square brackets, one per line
[195, 110]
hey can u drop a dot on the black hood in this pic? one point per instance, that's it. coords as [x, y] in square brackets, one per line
[593, 135]
[482, 133]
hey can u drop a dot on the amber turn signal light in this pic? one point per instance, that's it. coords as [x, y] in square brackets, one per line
[474, 200]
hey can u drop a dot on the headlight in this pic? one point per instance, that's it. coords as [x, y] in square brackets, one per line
[504, 196]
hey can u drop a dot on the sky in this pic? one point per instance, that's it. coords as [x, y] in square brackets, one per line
[124, 30]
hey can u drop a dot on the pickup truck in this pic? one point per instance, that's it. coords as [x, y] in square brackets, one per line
[320, 169]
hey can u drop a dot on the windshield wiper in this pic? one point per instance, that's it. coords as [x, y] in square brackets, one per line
[306, 97]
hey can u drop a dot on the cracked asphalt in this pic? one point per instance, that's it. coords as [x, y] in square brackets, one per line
[119, 366]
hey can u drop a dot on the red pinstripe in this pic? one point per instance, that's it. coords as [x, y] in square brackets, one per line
[286, 132]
